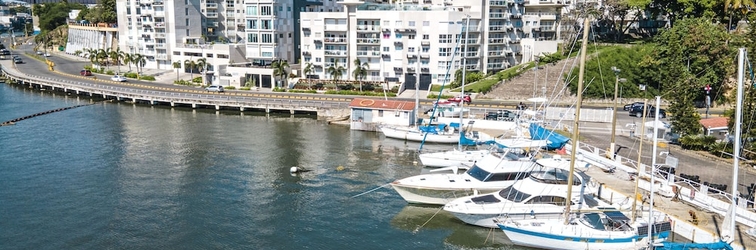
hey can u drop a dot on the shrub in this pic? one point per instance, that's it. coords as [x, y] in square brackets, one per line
[308, 91]
[244, 88]
[368, 87]
[131, 75]
[88, 67]
[230, 87]
[110, 72]
[197, 79]
[148, 78]
[346, 87]
[318, 86]
[277, 89]
[351, 92]
[185, 83]
[443, 97]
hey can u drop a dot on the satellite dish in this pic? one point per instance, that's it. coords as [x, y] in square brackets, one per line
[537, 99]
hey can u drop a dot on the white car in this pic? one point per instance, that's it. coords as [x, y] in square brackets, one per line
[117, 78]
[40, 52]
[214, 88]
[47, 54]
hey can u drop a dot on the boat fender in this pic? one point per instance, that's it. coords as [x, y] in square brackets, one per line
[340, 168]
[692, 194]
[298, 170]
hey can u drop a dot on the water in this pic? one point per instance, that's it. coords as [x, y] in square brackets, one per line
[119, 176]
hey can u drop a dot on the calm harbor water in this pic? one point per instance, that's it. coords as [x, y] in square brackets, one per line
[119, 176]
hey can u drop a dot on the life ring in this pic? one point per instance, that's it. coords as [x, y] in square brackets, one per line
[367, 102]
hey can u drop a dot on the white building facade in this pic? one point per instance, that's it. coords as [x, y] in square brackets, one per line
[401, 39]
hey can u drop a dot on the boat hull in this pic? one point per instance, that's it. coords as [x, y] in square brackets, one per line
[418, 195]
[547, 240]
[490, 220]
[452, 158]
[411, 135]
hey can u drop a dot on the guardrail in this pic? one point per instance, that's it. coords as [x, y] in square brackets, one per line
[228, 99]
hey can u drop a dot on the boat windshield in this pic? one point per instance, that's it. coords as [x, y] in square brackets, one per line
[513, 194]
[478, 173]
[554, 176]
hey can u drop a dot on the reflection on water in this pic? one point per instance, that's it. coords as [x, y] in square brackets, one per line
[416, 219]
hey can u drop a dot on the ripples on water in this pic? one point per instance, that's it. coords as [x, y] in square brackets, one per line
[137, 177]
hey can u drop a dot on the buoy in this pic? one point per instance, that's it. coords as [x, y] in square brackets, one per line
[340, 168]
[298, 170]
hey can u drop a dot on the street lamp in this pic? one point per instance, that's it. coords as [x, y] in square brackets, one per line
[614, 114]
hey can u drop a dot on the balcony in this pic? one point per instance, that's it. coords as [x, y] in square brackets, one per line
[159, 14]
[497, 3]
[386, 30]
[212, 15]
[385, 56]
[411, 56]
[515, 15]
[425, 70]
[157, 2]
[368, 53]
[336, 53]
[305, 28]
[368, 28]
[148, 53]
[160, 45]
[148, 42]
[230, 15]
[398, 43]
[211, 24]
[425, 55]
[211, 5]
[514, 41]
[496, 53]
[159, 24]
[160, 35]
[497, 40]
[161, 57]
[398, 70]
[496, 28]
[368, 41]
[335, 40]
[471, 67]
[495, 65]
[410, 69]
[425, 43]
[306, 53]
[497, 15]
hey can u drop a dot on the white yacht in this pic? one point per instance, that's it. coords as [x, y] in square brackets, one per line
[492, 173]
[541, 195]
[456, 158]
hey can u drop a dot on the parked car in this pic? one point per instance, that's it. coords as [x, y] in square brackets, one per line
[40, 52]
[637, 111]
[458, 99]
[18, 60]
[631, 105]
[501, 115]
[85, 72]
[214, 88]
[117, 78]
[47, 55]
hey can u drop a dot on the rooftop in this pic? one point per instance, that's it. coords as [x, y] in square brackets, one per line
[716, 122]
[382, 104]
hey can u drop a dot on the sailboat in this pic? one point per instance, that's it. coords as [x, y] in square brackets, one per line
[600, 229]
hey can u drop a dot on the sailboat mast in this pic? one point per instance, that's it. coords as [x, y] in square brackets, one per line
[736, 144]
[653, 168]
[640, 154]
[575, 130]
[417, 90]
[464, 69]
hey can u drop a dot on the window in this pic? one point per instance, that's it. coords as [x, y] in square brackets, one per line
[398, 35]
[251, 10]
[398, 23]
[444, 38]
[267, 54]
[426, 23]
[386, 23]
[280, 35]
[386, 35]
[186, 11]
[411, 50]
[380, 113]
[251, 24]
[444, 51]
[412, 37]
[252, 37]
[267, 38]
[280, 8]
[288, 8]
[398, 47]
[265, 24]
[318, 59]
[386, 49]
[266, 10]
[426, 37]
[412, 23]
[425, 49]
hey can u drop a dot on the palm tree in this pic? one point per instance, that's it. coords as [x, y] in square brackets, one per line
[201, 64]
[78, 53]
[189, 64]
[307, 71]
[92, 55]
[116, 56]
[336, 71]
[360, 71]
[102, 57]
[279, 69]
[177, 66]
[108, 56]
[128, 59]
[139, 61]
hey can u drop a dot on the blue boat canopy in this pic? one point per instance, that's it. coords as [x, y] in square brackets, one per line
[556, 141]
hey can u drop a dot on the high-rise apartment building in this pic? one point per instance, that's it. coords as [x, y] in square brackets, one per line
[402, 39]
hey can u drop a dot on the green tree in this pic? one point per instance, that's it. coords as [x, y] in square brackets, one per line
[279, 70]
[692, 54]
[599, 81]
[139, 60]
[51, 15]
[202, 65]
[192, 66]
[360, 71]
[177, 66]
[128, 59]
[308, 69]
[336, 71]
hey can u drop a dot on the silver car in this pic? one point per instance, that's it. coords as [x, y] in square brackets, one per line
[214, 88]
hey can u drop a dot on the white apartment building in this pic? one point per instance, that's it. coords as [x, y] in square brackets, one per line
[401, 39]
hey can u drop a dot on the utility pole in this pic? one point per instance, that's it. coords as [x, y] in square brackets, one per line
[612, 145]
